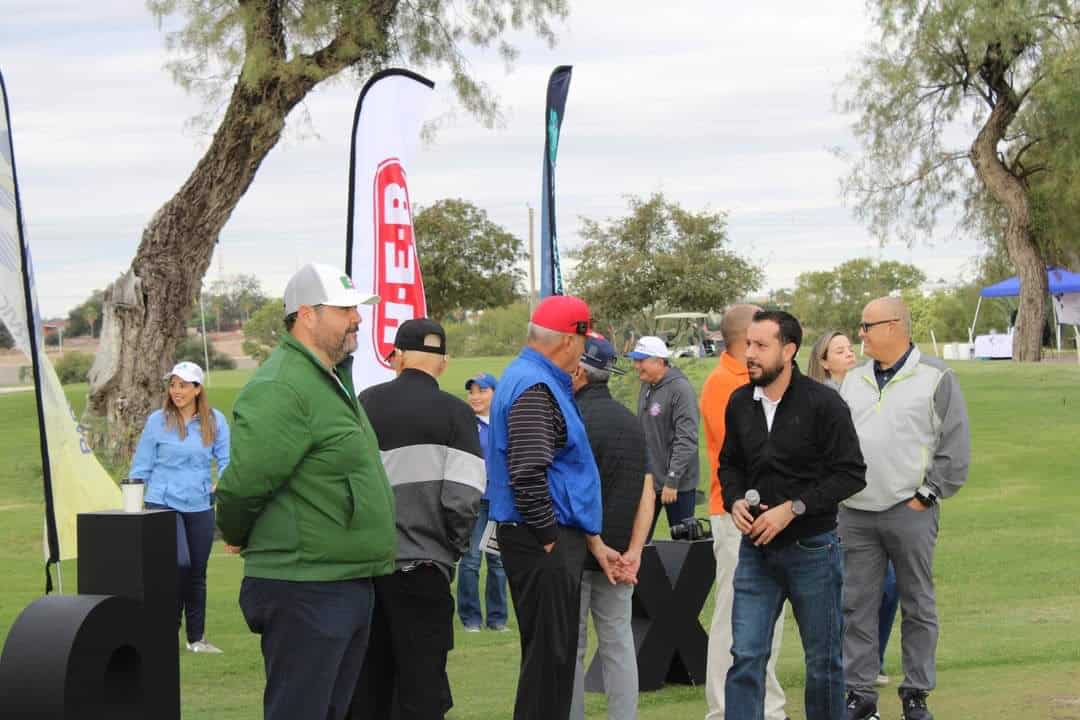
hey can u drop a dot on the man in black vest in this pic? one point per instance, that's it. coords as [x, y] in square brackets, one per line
[618, 444]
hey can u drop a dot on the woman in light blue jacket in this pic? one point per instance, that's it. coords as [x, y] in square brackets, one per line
[173, 458]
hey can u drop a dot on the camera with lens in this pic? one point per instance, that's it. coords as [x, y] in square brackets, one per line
[691, 528]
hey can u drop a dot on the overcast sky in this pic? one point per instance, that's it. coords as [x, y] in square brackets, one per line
[719, 105]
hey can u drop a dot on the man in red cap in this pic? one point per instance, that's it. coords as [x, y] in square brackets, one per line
[545, 496]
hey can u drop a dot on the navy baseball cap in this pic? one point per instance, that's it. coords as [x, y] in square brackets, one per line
[600, 354]
[486, 381]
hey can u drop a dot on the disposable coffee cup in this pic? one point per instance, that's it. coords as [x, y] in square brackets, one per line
[132, 490]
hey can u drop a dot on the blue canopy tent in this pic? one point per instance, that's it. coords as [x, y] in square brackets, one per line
[1061, 281]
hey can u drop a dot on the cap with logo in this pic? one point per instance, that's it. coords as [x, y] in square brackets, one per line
[317, 284]
[423, 334]
[187, 371]
[649, 346]
[600, 354]
[563, 313]
[484, 381]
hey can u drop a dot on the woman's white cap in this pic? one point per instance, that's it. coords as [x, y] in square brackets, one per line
[188, 371]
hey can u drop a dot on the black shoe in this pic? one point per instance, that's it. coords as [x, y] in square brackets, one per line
[860, 707]
[913, 705]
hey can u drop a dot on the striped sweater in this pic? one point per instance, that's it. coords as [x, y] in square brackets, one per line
[431, 451]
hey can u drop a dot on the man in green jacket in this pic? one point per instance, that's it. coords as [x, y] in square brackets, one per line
[307, 502]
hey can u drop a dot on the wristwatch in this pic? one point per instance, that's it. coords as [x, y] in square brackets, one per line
[798, 507]
[926, 496]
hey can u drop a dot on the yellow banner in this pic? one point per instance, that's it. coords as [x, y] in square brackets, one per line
[78, 481]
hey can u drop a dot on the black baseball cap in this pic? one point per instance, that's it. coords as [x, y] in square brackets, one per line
[423, 334]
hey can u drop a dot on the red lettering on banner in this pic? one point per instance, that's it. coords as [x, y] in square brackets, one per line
[397, 273]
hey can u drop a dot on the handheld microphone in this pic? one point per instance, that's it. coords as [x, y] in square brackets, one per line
[753, 499]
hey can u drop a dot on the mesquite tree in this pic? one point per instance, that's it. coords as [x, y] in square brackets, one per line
[947, 104]
[262, 57]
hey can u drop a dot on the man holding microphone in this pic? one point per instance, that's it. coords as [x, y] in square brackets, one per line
[791, 439]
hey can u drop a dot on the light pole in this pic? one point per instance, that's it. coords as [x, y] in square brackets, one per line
[205, 347]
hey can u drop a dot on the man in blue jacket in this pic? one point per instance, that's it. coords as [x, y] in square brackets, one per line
[545, 494]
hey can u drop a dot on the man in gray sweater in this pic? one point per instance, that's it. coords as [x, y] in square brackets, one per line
[668, 411]
[913, 429]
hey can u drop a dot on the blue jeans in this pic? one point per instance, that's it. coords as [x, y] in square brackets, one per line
[890, 599]
[469, 581]
[194, 539]
[808, 574]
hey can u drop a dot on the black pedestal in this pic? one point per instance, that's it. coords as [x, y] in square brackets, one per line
[111, 651]
[671, 645]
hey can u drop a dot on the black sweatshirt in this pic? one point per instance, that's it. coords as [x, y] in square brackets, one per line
[431, 451]
[618, 444]
[812, 454]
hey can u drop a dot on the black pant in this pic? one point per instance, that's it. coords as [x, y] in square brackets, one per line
[313, 639]
[194, 539]
[546, 589]
[404, 675]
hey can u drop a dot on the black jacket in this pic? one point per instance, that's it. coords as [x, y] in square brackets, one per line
[812, 454]
[431, 450]
[618, 444]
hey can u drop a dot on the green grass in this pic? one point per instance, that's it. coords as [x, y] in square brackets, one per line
[1008, 578]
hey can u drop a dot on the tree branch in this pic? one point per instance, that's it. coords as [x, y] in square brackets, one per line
[945, 159]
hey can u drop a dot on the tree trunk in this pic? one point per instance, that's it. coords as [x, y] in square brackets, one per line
[1011, 192]
[145, 309]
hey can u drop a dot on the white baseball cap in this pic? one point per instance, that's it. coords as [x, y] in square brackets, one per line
[649, 346]
[188, 371]
[317, 284]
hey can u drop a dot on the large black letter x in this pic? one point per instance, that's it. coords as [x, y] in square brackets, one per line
[673, 582]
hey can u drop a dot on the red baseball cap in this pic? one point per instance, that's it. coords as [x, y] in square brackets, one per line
[563, 313]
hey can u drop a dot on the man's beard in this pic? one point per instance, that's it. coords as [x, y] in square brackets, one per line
[338, 351]
[768, 375]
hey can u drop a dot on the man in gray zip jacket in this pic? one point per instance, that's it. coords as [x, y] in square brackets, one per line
[913, 429]
[668, 411]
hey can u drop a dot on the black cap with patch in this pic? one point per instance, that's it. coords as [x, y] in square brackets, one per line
[423, 334]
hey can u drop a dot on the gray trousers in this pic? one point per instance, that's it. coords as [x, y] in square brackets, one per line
[870, 540]
[610, 608]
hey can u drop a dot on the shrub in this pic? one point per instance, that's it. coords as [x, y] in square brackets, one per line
[73, 367]
[191, 350]
[498, 331]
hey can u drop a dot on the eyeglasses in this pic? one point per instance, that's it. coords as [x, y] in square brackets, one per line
[865, 326]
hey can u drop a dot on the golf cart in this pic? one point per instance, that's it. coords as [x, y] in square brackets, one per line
[690, 334]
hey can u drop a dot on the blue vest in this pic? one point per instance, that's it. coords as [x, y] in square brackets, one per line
[573, 479]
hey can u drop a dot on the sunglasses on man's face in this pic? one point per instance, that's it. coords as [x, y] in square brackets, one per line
[866, 326]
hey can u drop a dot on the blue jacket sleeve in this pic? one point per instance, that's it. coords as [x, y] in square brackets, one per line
[142, 465]
[221, 443]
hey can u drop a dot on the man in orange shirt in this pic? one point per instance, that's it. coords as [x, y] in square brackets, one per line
[729, 375]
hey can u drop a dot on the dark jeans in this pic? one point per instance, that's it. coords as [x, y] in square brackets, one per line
[890, 600]
[314, 635]
[546, 589]
[468, 585]
[194, 539]
[682, 508]
[404, 674]
[808, 574]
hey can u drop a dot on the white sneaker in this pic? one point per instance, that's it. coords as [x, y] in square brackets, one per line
[201, 646]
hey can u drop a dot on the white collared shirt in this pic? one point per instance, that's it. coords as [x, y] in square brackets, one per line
[767, 405]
